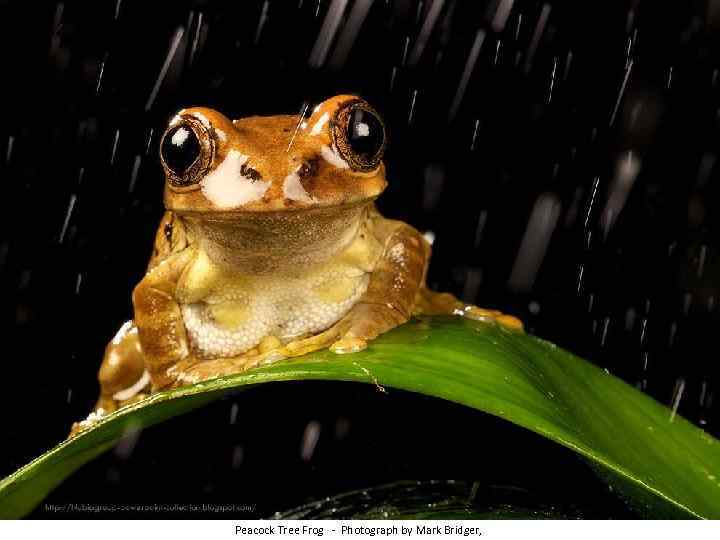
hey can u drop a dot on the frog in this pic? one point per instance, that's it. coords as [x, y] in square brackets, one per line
[271, 247]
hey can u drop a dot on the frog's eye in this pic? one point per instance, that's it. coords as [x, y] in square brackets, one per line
[186, 152]
[359, 135]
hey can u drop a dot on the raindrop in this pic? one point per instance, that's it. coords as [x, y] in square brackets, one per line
[673, 333]
[591, 203]
[392, 77]
[175, 42]
[68, 397]
[630, 315]
[496, 58]
[626, 171]
[9, 151]
[534, 307]
[117, 9]
[196, 38]
[309, 440]
[687, 302]
[350, 31]
[24, 280]
[628, 70]
[126, 446]
[261, 21]
[134, 174]
[238, 456]
[325, 37]
[476, 129]
[114, 146]
[78, 282]
[677, 396]
[707, 162]
[581, 272]
[233, 413]
[539, 29]
[412, 106]
[499, 20]
[518, 26]
[66, 221]
[471, 287]
[419, 10]
[406, 47]
[55, 39]
[703, 391]
[301, 119]
[541, 224]
[433, 186]
[606, 324]
[643, 329]
[426, 30]
[100, 74]
[552, 80]
[467, 72]
[480, 228]
[149, 140]
[568, 61]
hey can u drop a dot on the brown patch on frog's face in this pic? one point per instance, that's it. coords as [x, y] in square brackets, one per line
[274, 163]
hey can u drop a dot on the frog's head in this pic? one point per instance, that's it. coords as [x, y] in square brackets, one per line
[215, 166]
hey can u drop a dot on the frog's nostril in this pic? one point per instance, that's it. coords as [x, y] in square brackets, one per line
[308, 168]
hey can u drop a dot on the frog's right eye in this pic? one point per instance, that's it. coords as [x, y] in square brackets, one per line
[186, 152]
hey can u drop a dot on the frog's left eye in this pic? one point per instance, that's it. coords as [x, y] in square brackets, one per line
[359, 135]
[186, 152]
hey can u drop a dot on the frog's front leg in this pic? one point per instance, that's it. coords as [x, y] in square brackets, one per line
[392, 289]
[159, 319]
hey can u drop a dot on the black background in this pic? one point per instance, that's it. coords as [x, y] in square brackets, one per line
[557, 98]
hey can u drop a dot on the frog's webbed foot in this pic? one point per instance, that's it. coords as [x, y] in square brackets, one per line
[432, 303]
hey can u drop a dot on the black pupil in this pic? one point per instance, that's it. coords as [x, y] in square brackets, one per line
[365, 133]
[180, 149]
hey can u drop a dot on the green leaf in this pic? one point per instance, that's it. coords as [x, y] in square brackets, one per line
[661, 464]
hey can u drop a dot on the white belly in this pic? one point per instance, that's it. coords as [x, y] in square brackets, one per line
[286, 309]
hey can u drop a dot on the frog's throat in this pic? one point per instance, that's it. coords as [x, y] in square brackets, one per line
[261, 243]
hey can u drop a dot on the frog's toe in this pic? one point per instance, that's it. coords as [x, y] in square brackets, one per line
[488, 315]
[510, 322]
[348, 345]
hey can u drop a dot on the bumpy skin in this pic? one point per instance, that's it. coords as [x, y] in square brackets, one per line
[271, 249]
